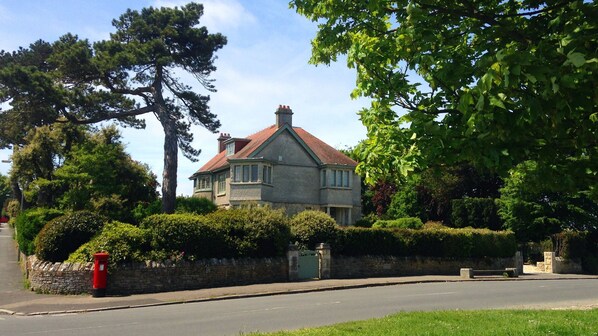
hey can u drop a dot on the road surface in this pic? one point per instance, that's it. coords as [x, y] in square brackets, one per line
[233, 317]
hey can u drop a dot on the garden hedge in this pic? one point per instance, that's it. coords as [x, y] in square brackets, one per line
[400, 223]
[29, 223]
[63, 235]
[455, 243]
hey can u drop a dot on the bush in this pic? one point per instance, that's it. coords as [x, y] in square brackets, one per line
[451, 243]
[400, 223]
[29, 223]
[312, 227]
[184, 234]
[366, 221]
[146, 209]
[476, 213]
[124, 243]
[194, 205]
[63, 235]
[353, 241]
[256, 232]
[570, 244]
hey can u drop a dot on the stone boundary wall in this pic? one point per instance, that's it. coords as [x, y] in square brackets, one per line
[559, 265]
[152, 277]
[384, 266]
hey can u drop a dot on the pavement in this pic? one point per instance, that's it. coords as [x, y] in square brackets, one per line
[15, 300]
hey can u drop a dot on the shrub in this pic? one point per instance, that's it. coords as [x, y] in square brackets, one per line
[570, 244]
[63, 235]
[124, 242]
[353, 241]
[146, 209]
[184, 234]
[13, 207]
[194, 205]
[29, 223]
[475, 212]
[312, 227]
[256, 232]
[456, 243]
[366, 221]
[433, 225]
[400, 223]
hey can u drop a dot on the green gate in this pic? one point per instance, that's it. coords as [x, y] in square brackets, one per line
[309, 264]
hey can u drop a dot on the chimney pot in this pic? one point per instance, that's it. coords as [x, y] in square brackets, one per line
[284, 115]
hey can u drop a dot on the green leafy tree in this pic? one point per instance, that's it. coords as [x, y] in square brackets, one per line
[490, 82]
[429, 194]
[536, 214]
[132, 73]
[99, 175]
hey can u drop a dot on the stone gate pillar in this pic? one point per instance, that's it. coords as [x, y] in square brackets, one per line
[325, 257]
[549, 262]
[293, 258]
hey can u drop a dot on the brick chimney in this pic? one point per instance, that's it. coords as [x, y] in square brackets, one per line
[221, 139]
[284, 115]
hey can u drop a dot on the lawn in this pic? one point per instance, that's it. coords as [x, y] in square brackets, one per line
[484, 322]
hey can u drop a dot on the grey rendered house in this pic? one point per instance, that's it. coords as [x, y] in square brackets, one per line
[284, 167]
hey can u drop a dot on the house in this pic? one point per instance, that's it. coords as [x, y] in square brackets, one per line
[282, 166]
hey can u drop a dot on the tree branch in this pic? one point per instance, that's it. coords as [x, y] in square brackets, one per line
[70, 118]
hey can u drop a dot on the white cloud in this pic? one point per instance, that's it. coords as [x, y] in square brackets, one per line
[219, 15]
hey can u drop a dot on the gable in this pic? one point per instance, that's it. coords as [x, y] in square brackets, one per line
[287, 148]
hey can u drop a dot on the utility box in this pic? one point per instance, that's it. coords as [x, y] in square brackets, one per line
[100, 274]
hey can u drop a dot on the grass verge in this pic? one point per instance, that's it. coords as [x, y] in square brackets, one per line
[481, 322]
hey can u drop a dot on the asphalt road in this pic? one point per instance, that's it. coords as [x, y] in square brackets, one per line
[233, 317]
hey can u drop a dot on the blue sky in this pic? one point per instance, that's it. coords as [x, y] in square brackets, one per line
[264, 64]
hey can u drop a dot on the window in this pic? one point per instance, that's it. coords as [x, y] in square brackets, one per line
[230, 149]
[203, 183]
[237, 174]
[221, 184]
[267, 174]
[338, 178]
[253, 173]
[246, 173]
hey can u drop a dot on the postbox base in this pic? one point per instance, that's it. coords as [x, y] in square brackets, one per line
[98, 292]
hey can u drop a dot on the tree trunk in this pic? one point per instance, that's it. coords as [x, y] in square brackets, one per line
[171, 148]
[169, 176]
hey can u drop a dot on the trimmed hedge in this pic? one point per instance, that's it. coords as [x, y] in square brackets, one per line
[400, 223]
[124, 242]
[457, 243]
[185, 234]
[29, 223]
[479, 213]
[258, 232]
[312, 227]
[63, 235]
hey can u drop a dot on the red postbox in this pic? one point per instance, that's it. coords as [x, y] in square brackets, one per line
[100, 273]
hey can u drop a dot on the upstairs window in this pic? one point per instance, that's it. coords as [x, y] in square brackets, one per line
[230, 149]
[337, 178]
[245, 173]
[267, 174]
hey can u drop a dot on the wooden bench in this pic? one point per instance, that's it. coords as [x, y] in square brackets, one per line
[470, 273]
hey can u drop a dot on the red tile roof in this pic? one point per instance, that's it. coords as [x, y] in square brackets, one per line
[325, 153]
